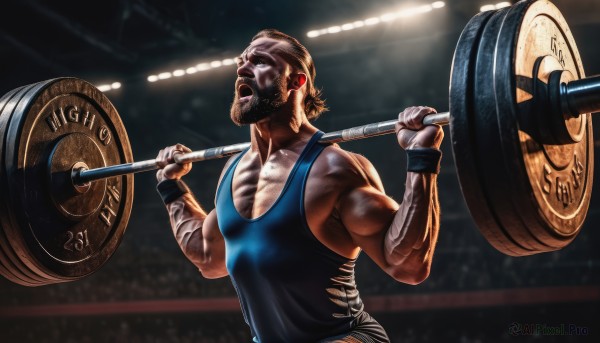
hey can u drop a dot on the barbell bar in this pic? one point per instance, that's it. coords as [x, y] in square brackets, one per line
[82, 175]
[521, 136]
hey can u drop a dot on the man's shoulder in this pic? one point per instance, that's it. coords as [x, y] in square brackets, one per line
[338, 157]
[346, 165]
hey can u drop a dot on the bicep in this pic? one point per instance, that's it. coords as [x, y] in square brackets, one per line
[213, 248]
[367, 214]
[211, 232]
[361, 204]
[212, 239]
[365, 208]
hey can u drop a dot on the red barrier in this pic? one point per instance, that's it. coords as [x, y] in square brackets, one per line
[373, 304]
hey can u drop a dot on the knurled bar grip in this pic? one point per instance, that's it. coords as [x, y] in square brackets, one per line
[82, 176]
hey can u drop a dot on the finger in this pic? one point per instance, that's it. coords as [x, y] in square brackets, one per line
[428, 110]
[160, 159]
[167, 155]
[172, 151]
[401, 123]
[180, 149]
[411, 118]
[169, 171]
[183, 148]
[160, 174]
[418, 115]
[399, 126]
[177, 149]
[430, 137]
[405, 137]
[171, 155]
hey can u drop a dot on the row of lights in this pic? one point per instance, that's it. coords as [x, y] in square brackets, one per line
[191, 70]
[386, 17]
[495, 7]
[175, 73]
[109, 87]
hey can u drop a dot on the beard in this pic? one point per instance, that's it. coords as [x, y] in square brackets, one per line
[262, 103]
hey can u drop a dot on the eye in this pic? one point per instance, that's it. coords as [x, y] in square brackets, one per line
[258, 60]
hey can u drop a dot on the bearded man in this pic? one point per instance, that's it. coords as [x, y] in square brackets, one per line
[292, 214]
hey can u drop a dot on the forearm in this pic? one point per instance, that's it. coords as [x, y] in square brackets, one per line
[410, 239]
[187, 218]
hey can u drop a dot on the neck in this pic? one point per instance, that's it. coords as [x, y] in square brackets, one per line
[282, 129]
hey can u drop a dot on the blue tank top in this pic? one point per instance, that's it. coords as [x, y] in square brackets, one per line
[291, 287]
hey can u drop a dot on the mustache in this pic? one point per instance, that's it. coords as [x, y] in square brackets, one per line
[245, 80]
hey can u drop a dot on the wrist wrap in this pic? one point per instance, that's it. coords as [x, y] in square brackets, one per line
[423, 160]
[169, 190]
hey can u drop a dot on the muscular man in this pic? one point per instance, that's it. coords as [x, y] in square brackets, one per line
[292, 215]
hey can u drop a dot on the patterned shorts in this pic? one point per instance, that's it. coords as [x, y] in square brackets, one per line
[367, 330]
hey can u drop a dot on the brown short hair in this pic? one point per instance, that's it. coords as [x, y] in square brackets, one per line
[299, 57]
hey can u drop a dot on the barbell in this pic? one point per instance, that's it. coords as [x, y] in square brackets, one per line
[520, 127]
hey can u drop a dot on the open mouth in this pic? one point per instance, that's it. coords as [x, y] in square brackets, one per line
[244, 91]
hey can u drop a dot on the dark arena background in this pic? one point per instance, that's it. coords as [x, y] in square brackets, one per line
[166, 66]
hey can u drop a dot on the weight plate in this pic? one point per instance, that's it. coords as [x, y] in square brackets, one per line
[507, 232]
[554, 182]
[525, 186]
[7, 268]
[64, 122]
[466, 121]
[472, 126]
[12, 273]
[12, 260]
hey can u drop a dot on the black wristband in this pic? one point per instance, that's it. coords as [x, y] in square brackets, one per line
[423, 160]
[170, 190]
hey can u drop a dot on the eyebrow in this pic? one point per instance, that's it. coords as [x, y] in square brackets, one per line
[244, 56]
[262, 54]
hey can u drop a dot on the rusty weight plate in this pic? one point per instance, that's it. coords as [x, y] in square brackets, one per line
[524, 182]
[14, 268]
[558, 177]
[465, 122]
[59, 124]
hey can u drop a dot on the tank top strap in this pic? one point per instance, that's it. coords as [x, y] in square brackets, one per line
[304, 164]
[226, 181]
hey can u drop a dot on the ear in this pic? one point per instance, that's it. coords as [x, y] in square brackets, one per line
[297, 80]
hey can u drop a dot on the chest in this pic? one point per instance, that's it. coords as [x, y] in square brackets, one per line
[281, 199]
[256, 187]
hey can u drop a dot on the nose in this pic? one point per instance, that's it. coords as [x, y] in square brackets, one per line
[244, 70]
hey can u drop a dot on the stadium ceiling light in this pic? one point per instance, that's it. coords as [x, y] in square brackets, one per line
[165, 75]
[491, 7]
[109, 86]
[386, 17]
[204, 66]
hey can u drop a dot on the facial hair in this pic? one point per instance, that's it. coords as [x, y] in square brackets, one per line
[262, 103]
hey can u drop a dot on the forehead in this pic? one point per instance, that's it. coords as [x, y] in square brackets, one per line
[266, 45]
